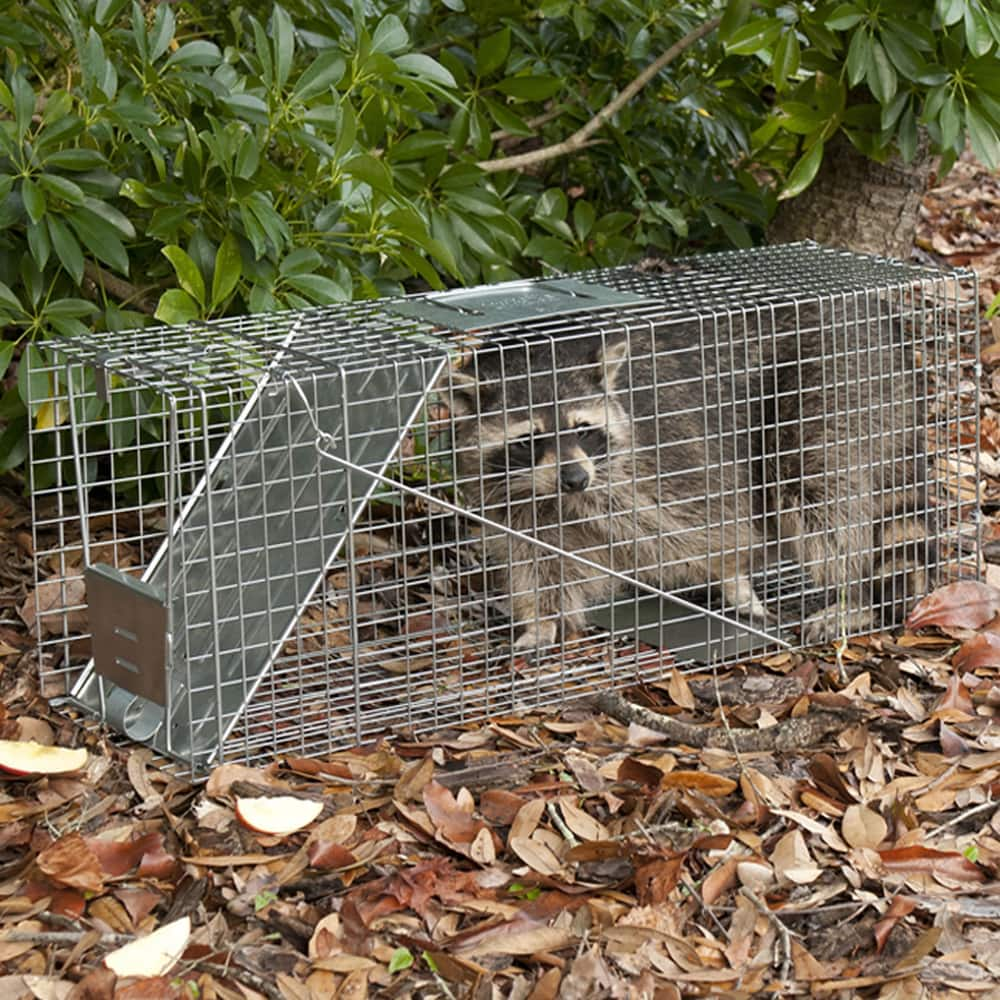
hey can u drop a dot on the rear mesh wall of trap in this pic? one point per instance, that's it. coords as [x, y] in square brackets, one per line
[312, 606]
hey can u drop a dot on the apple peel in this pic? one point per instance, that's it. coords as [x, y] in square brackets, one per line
[152, 955]
[23, 757]
[277, 815]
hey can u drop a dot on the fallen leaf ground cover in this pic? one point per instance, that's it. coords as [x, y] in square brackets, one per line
[817, 823]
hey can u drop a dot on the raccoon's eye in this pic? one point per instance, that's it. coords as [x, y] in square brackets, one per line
[593, 440]
[521, 452]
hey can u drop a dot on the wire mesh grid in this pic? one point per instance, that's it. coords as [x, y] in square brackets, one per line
[423, 512]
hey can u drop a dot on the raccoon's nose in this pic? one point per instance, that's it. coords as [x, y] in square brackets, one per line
[574, 477]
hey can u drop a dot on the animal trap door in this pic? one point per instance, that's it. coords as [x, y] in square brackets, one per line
[252, 545]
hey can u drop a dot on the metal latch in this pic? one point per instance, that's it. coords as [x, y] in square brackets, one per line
[128, 624]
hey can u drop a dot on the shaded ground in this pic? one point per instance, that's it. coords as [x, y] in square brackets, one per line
[576, 855]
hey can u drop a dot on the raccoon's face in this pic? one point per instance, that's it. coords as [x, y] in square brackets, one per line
[526, 432]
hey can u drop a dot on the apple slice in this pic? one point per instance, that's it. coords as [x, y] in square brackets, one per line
[29, 757]
[277, 815]
[152, 955]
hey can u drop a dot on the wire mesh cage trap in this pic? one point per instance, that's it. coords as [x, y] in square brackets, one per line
[297, 532]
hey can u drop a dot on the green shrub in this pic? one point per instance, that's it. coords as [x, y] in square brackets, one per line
[161, 162]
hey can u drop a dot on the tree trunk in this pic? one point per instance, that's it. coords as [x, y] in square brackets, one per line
[857, 204]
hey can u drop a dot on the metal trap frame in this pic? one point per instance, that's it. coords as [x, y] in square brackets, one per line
[270, 524]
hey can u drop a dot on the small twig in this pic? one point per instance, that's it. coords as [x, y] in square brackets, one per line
[63, 937]
[790, 734]
[557, 822]
[783, 932]
[709, 912]
[242, 975]
[582, 135]
[124, 291]
[955, 820]
[543, 119]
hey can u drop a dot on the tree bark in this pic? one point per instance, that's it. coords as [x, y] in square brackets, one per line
[857, 204]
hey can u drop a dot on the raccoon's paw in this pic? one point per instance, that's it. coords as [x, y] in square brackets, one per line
[831, 624]
[744, 602]
[536, 638]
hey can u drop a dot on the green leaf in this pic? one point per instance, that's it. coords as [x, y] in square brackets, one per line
[492, 52]
[99, 238]
[530, 87]
[803, 173]
[843, 17]
[372, 172]
[881, 75]
[389, 36]
[755, 36]
[188, 275]
[176, 308]
[66, 246]
[736, 15]
[324, 72]
[983, 136]
[283, 35]
[162, 32]
[33, 383]
[34, 200]
[302, 260]
[9, 301]
[319, 288]
[228, 270]
[6, 353]
[23, 104]
[950, 11]
[402, 958]
[111, 215]
[75, 159]
[583, 218]
[785, 61]
[62, 187]
[978, 35]
[858, 57]
[197, 53]
[425, 68]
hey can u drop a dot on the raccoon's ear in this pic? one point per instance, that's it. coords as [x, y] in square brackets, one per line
[610, 360]
[462, 390]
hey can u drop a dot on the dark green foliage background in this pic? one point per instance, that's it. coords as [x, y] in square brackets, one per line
[159, 162]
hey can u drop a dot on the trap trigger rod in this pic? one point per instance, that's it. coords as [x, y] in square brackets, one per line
[325, 441]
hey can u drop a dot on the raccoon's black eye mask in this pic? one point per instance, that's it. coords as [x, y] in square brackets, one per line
[593, 440]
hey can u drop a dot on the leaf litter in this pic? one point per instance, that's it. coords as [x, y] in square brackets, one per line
[819, 823]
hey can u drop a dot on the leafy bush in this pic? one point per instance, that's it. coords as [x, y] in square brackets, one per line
[169, 162]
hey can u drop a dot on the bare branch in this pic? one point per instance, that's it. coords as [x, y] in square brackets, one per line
[125, 292]
[581, 136]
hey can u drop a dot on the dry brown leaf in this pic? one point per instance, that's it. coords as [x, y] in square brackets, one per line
[966, 604]
[981, 650]
[536, 856]
[713, 785]
[413, 780]
[680, 691]
[582, 823]
[926, 861]
[70, 861]
[956, 696]
[506, 939]
[792, 860]
[863, 827]
[526, 819]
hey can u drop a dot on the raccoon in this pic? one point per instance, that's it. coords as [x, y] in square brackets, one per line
[580, 443]
[675, 460]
